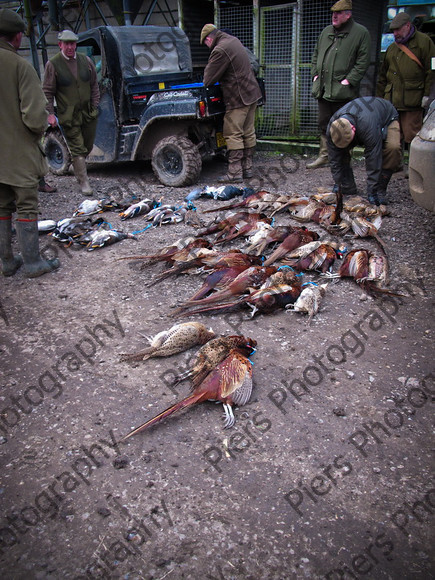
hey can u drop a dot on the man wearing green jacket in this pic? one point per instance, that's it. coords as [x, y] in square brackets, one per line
[71, 79]
[405, 77]
[340, 60]
[23, 120]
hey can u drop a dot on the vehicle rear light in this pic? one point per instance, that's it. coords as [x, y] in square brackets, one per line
[202, 110]
[139, 97]
[215, 99]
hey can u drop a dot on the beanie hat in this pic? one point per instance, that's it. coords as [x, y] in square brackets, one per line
[341, 132]
[11, 22]
[206, 31]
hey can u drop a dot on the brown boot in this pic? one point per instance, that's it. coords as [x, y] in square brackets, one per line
[248, 154]
[322, 160]
[234, 172]
[79, 165]
[45, 188]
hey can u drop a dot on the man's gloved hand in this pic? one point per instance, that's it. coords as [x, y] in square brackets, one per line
[424, 102]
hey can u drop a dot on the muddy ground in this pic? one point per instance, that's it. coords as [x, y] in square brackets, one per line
[328, 470]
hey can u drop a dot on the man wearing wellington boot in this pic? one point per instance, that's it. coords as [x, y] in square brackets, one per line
[71, 79]
[229, 65]
[23, 120]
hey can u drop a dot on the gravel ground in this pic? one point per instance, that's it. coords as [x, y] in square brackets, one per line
[327, 472]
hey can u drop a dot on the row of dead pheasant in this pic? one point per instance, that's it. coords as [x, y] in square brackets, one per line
[237, 279]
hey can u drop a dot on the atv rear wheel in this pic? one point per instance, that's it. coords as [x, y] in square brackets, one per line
[56, 152]
[176, 161]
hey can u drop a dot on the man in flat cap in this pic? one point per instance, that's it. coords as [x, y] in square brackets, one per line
[23, 120]
[372, 123]
[71, 79]
[405, 77]
[340, 60]
[229, 65]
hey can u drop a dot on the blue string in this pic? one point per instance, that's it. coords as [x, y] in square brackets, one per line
[282, 268]
[140, 231]
[309, 283]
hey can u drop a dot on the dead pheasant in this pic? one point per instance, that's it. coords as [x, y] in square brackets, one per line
[298, 237]
[177, 339]
[225, 225]
[211, 354]
[278, 289]
[169, 253]
[360, 205]
[320, 258]
[369, 270]
[230, 383]
[258, 201]
[217, 280]
[292, 201]
[185, 260]
[230, 259]
[244, 227]
[268, 236]
[364, 228]
[271, 298]
[284, 275]
[309, 299]
[252, 277]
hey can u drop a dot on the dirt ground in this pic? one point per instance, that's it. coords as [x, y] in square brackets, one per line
[328, 471]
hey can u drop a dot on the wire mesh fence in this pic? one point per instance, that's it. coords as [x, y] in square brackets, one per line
[283, 37]
[240, 21]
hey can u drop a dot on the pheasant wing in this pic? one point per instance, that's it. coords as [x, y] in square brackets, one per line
[236, 384]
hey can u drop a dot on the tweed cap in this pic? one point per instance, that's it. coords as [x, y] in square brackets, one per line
[11, 22]
[342, 5]
[206, 29]
[341, 132]
[399, 20]
[67, 36]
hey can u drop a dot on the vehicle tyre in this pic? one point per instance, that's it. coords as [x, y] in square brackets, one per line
[176, 161]
[56, 152]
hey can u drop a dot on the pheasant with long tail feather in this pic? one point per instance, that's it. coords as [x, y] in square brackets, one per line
[230, 383]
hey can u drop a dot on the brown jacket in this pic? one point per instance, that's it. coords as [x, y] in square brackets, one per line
[23, 119]
[230, 66]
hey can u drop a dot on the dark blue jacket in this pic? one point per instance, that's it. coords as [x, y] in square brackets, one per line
[371, 117]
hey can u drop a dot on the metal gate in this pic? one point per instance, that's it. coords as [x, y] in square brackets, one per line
[276, 38]
[278, 58]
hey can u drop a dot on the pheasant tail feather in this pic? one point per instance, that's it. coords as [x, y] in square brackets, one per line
[187, 402]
